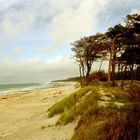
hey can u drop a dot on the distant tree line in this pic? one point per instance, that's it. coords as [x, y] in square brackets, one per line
[120, 45]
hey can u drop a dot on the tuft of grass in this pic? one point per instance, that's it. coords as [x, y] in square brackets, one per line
[119, 95]
[85, 105]
[66, 117]
[68, 102]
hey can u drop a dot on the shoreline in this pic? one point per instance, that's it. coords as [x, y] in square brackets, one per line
[20, 92]
[23, 115]
[41, 86]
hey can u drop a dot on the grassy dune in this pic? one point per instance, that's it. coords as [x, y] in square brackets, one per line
[102, 113]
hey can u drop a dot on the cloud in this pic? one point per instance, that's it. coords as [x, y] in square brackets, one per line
[5, 4]
[115, 12]
[73, 23]
[64, 20]
[36, 70]
[17, 22]
[18, 17]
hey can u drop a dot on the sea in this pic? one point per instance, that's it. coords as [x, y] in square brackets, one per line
[10, 88]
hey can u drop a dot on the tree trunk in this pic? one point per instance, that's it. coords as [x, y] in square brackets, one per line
[87, 74]
[81, 83]
[109, 68]
[113, 52]
[100, 65]
[113, 70]
[123, 75]
[87, 77]
[118, 75]
[132, 75]
[83, 75]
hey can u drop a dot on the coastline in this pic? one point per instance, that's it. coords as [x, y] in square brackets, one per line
[27, 87]
[23, 115]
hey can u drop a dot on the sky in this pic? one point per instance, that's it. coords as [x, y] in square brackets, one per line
[35, 35]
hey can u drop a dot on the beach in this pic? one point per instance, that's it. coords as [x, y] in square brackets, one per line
[23, 115]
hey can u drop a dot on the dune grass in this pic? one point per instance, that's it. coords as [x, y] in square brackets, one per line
[111, 122]
[81, 101]
[82, 106]
[97, 121]
[68, 102]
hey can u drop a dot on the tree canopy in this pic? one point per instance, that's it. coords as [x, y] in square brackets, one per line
[120, 45]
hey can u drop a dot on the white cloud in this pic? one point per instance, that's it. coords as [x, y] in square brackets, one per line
[66, 20]
[19, 17]
[4, 4]
[15, 23]
[36, 70]
[72, 23]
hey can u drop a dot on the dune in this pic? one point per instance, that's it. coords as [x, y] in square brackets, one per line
[23, 116]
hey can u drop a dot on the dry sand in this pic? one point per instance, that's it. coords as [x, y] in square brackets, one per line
[23, 116]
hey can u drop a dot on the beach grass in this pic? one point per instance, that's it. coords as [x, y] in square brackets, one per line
[68, 102]
[99, 110]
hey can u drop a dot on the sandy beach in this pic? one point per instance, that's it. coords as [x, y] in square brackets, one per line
[23, 116]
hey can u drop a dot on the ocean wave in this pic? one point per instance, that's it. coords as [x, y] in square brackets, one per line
[10, 88]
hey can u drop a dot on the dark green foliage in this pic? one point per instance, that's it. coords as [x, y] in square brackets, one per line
[131, 55]
[117, 29]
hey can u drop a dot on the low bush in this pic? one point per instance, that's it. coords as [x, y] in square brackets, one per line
[98, 75]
